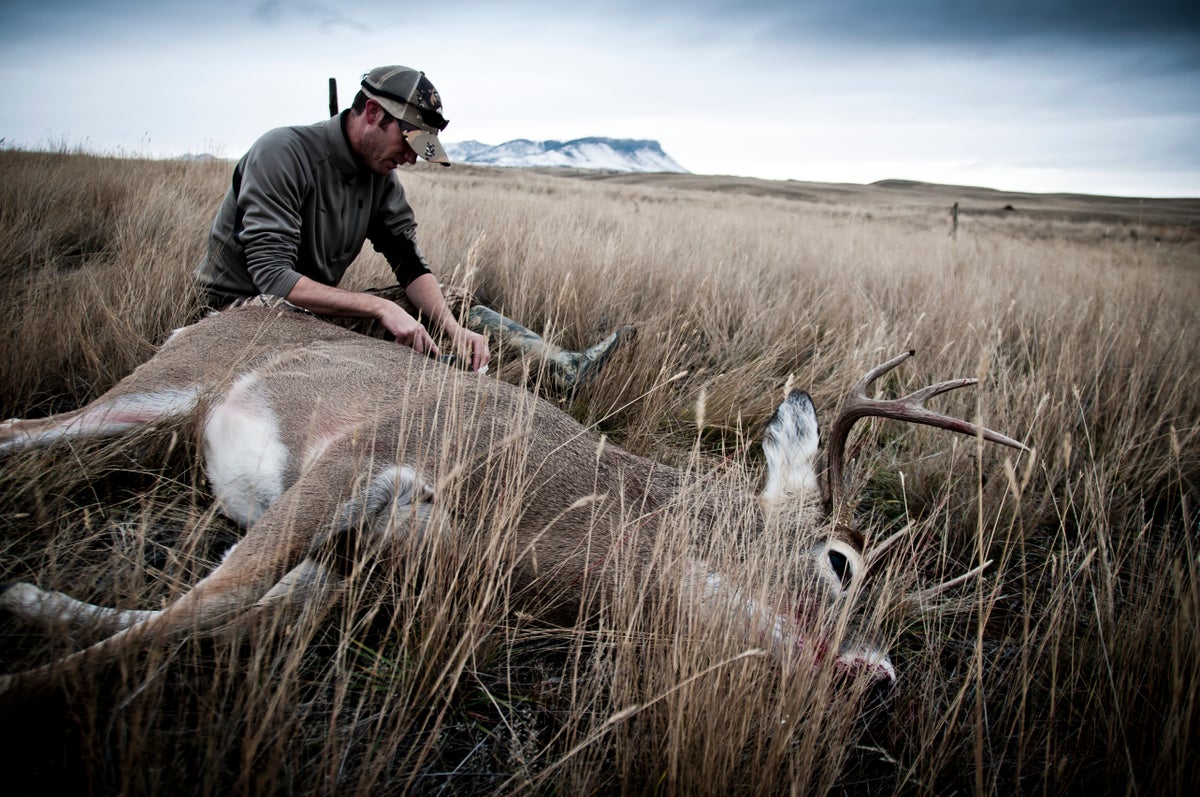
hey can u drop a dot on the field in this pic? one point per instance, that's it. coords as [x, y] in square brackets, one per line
[1072, 666]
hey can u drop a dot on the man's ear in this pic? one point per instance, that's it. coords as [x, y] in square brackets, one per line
[373, 113]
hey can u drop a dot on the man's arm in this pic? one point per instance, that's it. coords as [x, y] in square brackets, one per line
[325, 300]
[392, 234]
[425, 294]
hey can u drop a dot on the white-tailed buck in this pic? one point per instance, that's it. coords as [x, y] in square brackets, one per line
[312, 435]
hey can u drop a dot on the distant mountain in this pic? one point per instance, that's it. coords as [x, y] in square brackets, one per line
[607, 154]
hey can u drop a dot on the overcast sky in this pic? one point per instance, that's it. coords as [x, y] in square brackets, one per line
[1053, 95]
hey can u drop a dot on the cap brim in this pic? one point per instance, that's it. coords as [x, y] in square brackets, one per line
[423, 139]
[427, 146]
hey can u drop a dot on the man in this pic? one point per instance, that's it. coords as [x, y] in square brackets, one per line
[303, 201]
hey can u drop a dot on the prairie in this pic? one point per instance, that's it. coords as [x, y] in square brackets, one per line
[1073, 665]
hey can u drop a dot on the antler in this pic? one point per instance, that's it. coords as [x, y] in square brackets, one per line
[910, 408]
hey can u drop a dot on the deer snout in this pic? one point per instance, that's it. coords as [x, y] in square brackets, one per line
[839, 569]
[866, 661]
[853, 658]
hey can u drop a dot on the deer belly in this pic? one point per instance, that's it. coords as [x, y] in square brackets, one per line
[245, 457]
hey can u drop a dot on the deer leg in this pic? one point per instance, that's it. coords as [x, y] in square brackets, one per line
[276, 544]
[165, 387]
[305, 584]
[275, 567]
[568, 370]
[84, 621]
[110, 415]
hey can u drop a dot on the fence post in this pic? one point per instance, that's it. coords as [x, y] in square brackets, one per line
[954, 221]
[333, 103]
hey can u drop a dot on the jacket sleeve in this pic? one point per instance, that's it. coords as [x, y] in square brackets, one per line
[272, 186]
[393, 233]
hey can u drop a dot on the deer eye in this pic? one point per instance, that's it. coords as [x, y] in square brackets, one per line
[841, 567]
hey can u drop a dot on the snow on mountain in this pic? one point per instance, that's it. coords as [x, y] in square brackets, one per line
[607, 154]
[464, 151]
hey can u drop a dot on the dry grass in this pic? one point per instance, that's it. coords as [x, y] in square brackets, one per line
[1074, 666]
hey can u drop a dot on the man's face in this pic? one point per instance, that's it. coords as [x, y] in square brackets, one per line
[384, 146]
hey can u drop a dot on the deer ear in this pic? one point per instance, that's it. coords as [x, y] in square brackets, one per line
[790, 445]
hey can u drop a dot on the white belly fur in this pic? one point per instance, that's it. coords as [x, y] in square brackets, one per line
[245, 457]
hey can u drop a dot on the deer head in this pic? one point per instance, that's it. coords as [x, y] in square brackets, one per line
[830, 573]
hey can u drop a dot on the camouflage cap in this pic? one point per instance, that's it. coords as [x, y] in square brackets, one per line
[408, 95]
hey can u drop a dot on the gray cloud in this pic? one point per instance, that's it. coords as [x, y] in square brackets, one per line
[1171, 28]
[969, 20]
[70, 19]
[326, 16]
[928, 21]
[983, 21]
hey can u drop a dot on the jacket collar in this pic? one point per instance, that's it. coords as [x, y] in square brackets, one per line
[339, 145]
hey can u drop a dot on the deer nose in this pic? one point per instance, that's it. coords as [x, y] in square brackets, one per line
[867, 662]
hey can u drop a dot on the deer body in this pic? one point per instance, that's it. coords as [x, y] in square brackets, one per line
[311, 433]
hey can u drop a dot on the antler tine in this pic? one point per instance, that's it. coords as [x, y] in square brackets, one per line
[910, 408]
[878, 371]
[922, 598]
[915, 402]
[877, 551]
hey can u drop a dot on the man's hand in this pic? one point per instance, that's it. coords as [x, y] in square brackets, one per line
[472, 347]
[426, 295]
[407, 329]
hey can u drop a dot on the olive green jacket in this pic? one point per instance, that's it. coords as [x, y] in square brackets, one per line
[300, 203]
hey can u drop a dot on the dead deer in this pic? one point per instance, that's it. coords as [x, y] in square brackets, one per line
[311, 433]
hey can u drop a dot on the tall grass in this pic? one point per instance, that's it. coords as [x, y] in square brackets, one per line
[1073, 665]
